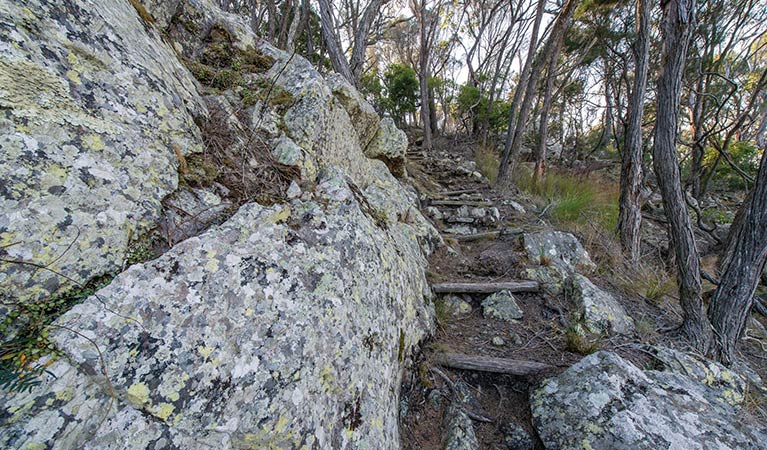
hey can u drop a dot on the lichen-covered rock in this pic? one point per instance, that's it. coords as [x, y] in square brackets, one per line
[97, 110]
[364, 117]
[502, 306]
[515, 437]
[278, 335]
[604, 401]
[455, 306]
[551, 278]
[389, 145]
[558, 248]
[283, 327]
[727, 384]
[599, 310]
[458, 429]
[189, 211]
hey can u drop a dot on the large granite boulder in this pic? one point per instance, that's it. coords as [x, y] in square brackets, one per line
[599, 311]
[559, 249]
[95, 112]
[285, 326]
[389, 145]
[604, 401]
[273, 329]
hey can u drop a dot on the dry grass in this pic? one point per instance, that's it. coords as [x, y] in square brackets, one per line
[647, 281]
[487, 162]
[242, 161]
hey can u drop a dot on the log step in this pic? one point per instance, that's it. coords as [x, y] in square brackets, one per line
[486, 287]
[460, 203]
[486, 235]
[491, 364]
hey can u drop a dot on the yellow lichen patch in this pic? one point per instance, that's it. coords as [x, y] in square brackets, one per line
[93, 142]
[164, 410]
[35, 446]
[138, 394]
[74, 77]
[211, 265]
[205, 351]
[282, 422]
[65, 394]
[280, 216]
[586, 445]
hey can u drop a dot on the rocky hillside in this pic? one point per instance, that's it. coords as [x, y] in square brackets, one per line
[264, 270]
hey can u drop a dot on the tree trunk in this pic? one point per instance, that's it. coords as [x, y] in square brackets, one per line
[423, 73]
[543, 135]
[509, 158]
[733, 298]
[678, 21]
[357, 62]
[518, 91]
[630, 209]
[607, 137]
[335, 52]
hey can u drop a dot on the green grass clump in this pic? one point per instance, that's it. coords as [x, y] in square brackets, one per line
[487, 163]
[577, 340]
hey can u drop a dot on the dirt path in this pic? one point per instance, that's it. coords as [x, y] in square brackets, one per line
[483, 250]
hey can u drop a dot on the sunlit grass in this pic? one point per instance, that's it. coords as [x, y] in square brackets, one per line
[487, 162]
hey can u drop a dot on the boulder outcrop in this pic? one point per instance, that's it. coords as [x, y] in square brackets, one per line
[604, 401]
[288, 324]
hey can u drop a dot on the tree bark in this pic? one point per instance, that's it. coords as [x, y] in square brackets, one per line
[630, 208]
[424, 23]
[733, 298]
[332, 44]
[509, 158]
[543, 134]
[678, 21]
[357, 62]
[518, 91]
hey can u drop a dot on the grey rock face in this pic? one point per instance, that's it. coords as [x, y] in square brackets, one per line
[560, 249]
[502, 306]
[389, 145]
[276, 335]
[604, 401]
[283, 327]
[92, 129]
[552, 278]
[364, 117]
[599, 310]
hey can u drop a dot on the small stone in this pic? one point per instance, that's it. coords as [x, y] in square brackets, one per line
[455, 306]
[502, 306]
[516, 437]
[498, 341]
[294, 191]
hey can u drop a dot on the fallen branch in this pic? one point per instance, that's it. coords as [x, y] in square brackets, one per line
[491, 364]
[486, 287]
[487, 235]
[459, 203]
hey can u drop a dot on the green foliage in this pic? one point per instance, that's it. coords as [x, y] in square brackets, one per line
[29, 323]
[744, 154]
[471, 102]
[401, 86]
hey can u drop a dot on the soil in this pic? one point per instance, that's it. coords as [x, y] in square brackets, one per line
[540, 336]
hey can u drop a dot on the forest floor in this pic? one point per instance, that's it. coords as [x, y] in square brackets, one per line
[502, 401]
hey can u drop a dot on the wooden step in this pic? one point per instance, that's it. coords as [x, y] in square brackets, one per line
[485, 235]
[481, 287]
[459, 203]
[490, 364]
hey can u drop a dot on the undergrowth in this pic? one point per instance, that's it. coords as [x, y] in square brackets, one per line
[487, 162]
[28, 324]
